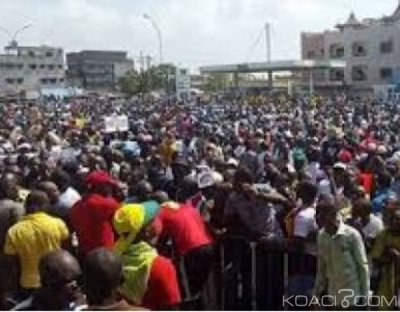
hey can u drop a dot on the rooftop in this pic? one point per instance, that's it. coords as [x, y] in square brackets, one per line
[260, 67]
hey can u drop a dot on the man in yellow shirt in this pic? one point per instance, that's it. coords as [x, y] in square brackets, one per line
[35, 235]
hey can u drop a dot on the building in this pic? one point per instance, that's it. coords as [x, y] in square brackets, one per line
[97, 70]
[198, 81]
[370, 48]
[29, 70]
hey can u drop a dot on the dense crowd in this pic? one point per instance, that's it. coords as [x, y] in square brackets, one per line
[264, 202]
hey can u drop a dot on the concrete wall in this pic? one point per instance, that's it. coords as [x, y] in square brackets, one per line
[371, 35]
[28, 69]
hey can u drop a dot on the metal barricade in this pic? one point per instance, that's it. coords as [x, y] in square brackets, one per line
[270, 275]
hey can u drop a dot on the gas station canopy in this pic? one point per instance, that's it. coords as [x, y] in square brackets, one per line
[274, 66]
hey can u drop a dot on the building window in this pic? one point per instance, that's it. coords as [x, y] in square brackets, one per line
[20, 80]
[336, 51]
[311, 54]
[9, 66]
[42, 66]
[336, 75]
[49, 54]
[51, 67]
[386, 73]
[10, 80]
[61, 80]
[359, 73]
[60, 66]
[387, 46]
[43, 80]
[32, 66]
[20, 66]
[31, 53]
[359, 49]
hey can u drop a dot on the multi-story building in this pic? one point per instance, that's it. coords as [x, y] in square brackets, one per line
[27, 70]
[97, 70]
[371, 49]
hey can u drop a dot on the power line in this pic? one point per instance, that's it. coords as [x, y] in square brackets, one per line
[255, 43]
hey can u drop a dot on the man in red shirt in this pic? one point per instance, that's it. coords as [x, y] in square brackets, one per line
[183, 224]
[92, 216]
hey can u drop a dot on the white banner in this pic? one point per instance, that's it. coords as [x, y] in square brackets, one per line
[116, 123]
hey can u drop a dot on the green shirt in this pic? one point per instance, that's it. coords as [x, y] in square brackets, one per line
[342, 265]
[387, 281]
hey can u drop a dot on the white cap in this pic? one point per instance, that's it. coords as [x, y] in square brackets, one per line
[232, 162]
[381, 149]
[340, 165]
[208, 178]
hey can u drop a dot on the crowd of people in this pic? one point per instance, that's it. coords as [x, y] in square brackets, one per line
[269, 202]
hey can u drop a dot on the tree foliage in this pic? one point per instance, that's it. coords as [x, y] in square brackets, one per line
[217, 82]
[153, 79]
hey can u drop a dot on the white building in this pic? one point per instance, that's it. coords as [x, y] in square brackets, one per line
[29, 70]
[371, 49]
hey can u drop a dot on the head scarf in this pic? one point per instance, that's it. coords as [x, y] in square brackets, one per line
[138, 258]
[130, 219]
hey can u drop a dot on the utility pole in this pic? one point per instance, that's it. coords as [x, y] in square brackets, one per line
[141, 61]
[148, 62]
[159, 35]
[148, 65]
[268, 41]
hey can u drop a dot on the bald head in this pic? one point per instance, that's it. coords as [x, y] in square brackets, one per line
[51, 189]
[37, 201]
[160, 197]
[58, 268]
[144, 190]
[103, 275]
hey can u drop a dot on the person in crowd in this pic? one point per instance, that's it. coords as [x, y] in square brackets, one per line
[150, 280]
[12, 189]
[142, 192]
[53, 193]
[342, 260]
[59, 273]
[193, 244]
[385, 254]
[250, 217]
[36, 234]
[363, 219]
[92, 216]
[382, 193]
[68, 195]
[103, 277]
[10, 213]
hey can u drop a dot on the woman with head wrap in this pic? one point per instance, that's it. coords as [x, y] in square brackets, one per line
[150, 279]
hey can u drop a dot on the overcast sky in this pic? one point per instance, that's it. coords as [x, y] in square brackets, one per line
[195, 32]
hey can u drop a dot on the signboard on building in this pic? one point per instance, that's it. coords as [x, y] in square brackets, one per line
[182, 79]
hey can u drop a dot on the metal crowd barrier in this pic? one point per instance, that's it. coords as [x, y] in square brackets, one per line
[273, 275]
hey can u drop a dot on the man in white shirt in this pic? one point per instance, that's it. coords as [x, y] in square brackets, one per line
[343, 271]
[304, 220]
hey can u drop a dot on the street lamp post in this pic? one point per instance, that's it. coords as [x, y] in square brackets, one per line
[159, 35]
[13, 36]
[14, 44]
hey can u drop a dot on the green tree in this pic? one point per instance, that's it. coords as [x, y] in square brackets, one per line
[216, 82]
[130, 83]
[155, 78]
